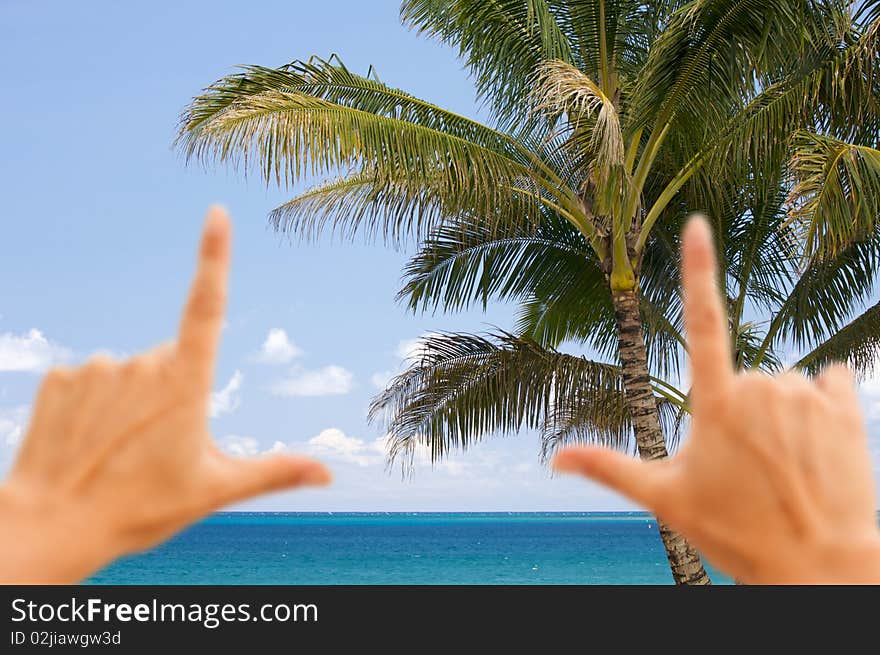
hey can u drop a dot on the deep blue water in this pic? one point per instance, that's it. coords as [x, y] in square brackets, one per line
[405, 548]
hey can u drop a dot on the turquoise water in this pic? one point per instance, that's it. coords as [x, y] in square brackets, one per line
[405, 548]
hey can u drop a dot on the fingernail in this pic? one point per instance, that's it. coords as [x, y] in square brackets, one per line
[217, 220]
[698, 223]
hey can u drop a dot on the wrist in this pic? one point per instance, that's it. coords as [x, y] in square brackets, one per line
[47, 540]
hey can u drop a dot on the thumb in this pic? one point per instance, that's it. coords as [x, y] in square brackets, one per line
[639, 481]
[248, 477]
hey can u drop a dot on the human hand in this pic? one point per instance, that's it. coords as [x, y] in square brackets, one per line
[118, 455]
[774, 483]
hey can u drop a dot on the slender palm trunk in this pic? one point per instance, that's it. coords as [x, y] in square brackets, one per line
[683, 559]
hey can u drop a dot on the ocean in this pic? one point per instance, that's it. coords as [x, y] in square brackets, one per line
[293, 548]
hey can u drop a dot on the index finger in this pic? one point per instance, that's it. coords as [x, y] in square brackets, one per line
[203, 315]
[708, 334]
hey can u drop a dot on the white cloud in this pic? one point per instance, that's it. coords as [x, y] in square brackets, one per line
[523, 467]
[29, 352]
[278, 348]
[240, 446]
[326, 381]
[227, 399]
[277, 447]
[12, 424]
[333, 443]
[380, 379]
[453, 466]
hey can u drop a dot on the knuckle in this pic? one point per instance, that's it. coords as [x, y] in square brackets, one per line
[57, 377]
[172, 373]
[98, 366]
[801, 394]
[207, 302]
[137, 366]
[806, 393]
[703, 318]
[132, 368]
[212, 247]
[758, 386]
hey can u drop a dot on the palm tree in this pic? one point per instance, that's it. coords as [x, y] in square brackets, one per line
[460, 387]
[611, 114]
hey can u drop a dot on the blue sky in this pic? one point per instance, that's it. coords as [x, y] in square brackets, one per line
[100, 219]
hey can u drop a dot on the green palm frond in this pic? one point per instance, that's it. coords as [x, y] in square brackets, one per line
[502, 43]
[761, 254]
[836, 195]
[756, 136]
[290, 135]
[825, 295]
[318, 118]
[831, 84]
[569, 314]
[849, 93]
[856, 344]
[463, 262]
[629, 28]
[463, 387]
[712, 53]
[355, 204]
[332, 81]
[364, 203]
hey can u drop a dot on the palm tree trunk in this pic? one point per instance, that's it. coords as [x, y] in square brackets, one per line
[683, 559]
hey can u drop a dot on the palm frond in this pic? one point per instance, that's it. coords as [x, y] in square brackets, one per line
[630, 28]
[465, 387]
[317, 118]
[502, 43]
[289, 135]
[562, 88]
[332, 81]
[761, 254]
[835, 199]
[463, 262]
[857, 344]
[711, 53]
[756, 135]
[747, 352]
[825, 295]
[367, 204]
